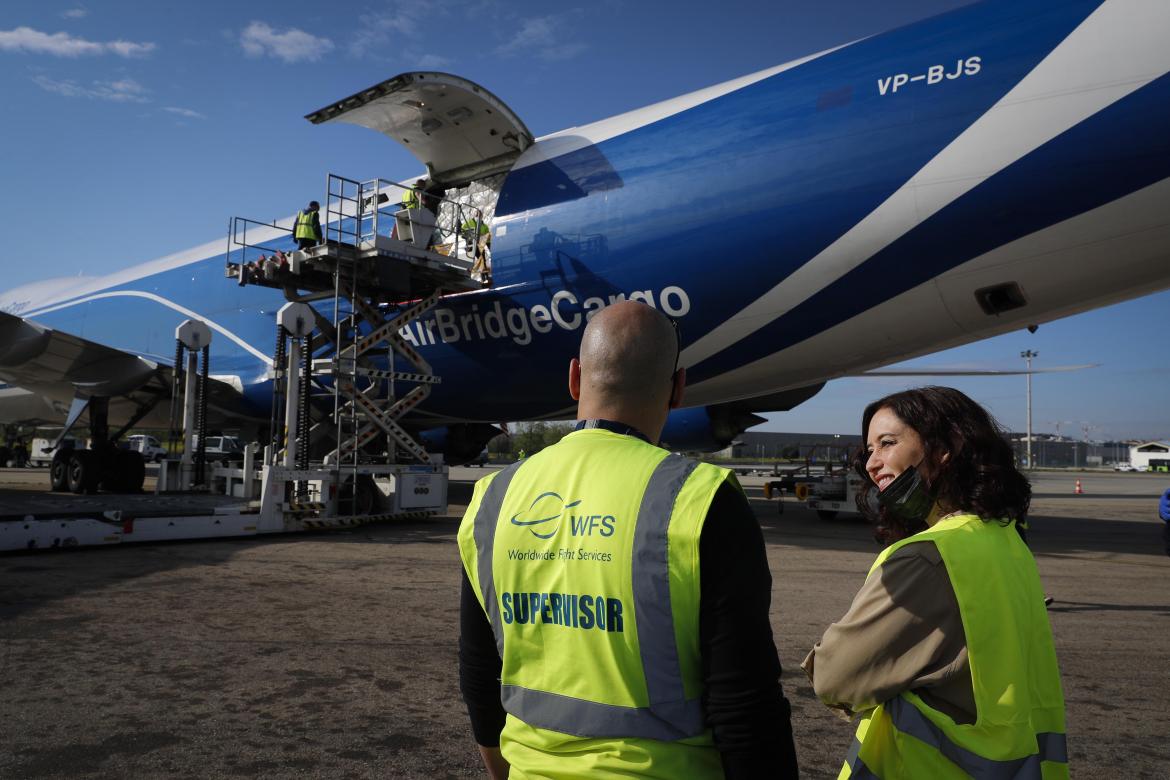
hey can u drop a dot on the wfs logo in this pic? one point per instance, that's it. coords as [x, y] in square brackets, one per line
[544, 516]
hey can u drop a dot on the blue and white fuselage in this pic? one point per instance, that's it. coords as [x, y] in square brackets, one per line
[820, 218]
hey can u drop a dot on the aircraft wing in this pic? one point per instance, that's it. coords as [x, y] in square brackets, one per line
[61, 367]
[943, 371]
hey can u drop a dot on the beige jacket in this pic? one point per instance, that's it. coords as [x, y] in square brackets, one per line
[902, 632]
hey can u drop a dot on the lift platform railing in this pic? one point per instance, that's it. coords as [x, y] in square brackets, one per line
[358, 212]
[243, 251]
[343, 206]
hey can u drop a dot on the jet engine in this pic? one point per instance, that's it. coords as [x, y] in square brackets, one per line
[712, 428]
[705, 428]
[459, 443]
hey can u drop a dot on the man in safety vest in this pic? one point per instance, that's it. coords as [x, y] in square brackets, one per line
[478, 239]
[412, 197]
[614, 614]
[307, 229]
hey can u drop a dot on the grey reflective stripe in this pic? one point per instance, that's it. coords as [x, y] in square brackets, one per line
[857, 767]
[583, 718]
[485, 540]
[653, 616]
[907, 719]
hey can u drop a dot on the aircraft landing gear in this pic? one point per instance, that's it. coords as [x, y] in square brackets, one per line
[83, 474]
[59, 471]
[105, 466]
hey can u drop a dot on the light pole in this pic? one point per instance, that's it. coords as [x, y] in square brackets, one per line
[1027, 355]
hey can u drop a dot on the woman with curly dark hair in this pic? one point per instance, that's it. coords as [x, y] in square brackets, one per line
[946, 652]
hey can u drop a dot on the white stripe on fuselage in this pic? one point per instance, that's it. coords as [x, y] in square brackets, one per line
[1119, 48]
[87, 285]
[169, 304]
[1058, 267]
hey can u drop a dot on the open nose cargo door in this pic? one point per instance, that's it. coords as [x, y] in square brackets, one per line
[456, 128]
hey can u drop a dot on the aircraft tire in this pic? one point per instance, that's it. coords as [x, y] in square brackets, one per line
[59, 474]
[83, 472]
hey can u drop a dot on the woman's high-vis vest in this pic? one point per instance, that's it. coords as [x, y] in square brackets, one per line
[585, 558]
[1019, 730]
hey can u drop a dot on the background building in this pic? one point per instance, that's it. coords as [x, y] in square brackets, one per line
[1141, 454]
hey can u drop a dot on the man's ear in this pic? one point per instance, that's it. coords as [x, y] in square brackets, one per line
[575, 379]
[678, 388]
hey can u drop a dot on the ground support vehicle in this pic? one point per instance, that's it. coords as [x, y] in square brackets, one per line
[382, 492]
[827, 495]
[352, 464]
[148, 446]
[41, 453]
[225, 450]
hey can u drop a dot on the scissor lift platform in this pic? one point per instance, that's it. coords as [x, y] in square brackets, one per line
[390, 270]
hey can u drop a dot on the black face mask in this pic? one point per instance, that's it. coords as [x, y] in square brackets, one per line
[908, 498]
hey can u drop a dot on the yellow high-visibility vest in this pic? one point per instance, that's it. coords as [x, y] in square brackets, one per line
[585, 558]
[473, 226]
[1019, 730]
[304, 226]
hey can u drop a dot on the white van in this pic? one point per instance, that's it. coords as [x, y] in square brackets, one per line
[150, 447]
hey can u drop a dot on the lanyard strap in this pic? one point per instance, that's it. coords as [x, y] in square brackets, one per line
[613, 427]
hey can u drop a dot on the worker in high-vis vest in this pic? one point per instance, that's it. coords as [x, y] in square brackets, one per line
[946, 653]
[614, 614]
[477, 238]
[307, 228]
[412, 197]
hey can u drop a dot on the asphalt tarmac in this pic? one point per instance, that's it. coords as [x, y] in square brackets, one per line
[334, 655]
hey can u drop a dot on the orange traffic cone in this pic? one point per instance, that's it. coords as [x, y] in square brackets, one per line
[1078, 490]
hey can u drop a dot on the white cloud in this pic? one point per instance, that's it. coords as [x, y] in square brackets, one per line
[543, 37]
[120, 91]
[75, 13]
[130, 49]
[376, 31]
[184, 112]
[565, 51]
[427, 61]
[28, 40]
[258, 39]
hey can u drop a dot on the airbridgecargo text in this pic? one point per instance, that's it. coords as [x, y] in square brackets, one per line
[564, 310]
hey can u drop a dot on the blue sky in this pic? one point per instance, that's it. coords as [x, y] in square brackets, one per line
[134, 130]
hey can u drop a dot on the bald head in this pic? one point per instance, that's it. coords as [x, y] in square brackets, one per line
[628, 354]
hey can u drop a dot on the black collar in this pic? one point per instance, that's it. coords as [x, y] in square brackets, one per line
[614, 427]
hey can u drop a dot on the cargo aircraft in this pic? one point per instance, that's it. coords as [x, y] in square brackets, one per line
[995, 167]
